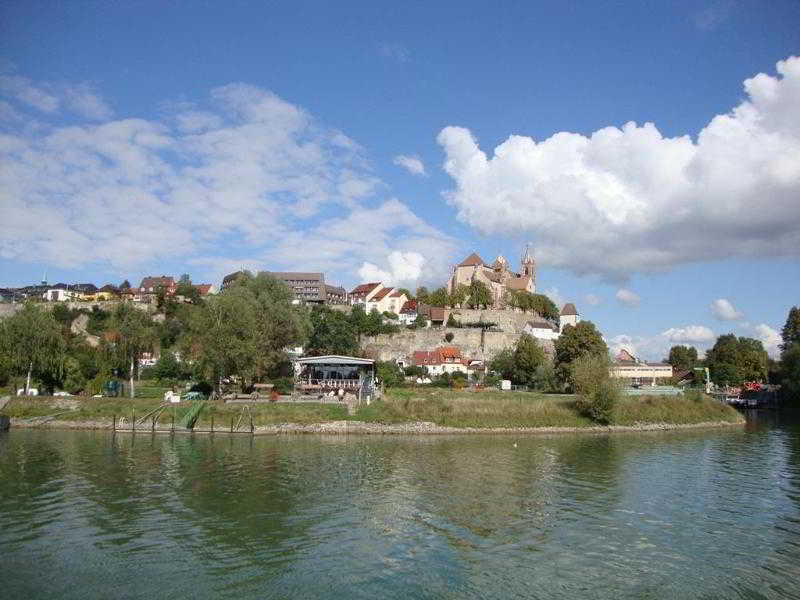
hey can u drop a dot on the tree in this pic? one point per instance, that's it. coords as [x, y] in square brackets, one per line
[503, 363]
[440, 297]
[790, 362]
[187, 290]
[733, 360]
[125, 285]
[332, 332]
[420, 321]
[133, 334]
[389, 373]
[791, 330]
[448, 337]
[422, 294]
[682, 358]
[167, 367]
[452, 322]
[185, 279]
[407, 292]
[32, 342]
[459, 295]
[576, 341]
[528, 357]
[479, 295]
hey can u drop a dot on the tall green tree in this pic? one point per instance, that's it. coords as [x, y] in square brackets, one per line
[134, 334]
[528, 357]
[791, 330]
[576, 341]
[733, 360]
[332, 332]
[459, 295]
[422, 294]
[33, 344]
[682, 358]
[479, 295]
[439, 297]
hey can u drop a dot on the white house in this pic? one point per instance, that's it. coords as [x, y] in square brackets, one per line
[447, 359]
[408, 312]
[638, 372]
[59, 295]
[541, 330]
[364, 293]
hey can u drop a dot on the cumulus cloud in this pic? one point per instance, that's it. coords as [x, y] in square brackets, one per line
[771, 339]
[242, 178]
[628, 297]
[691, 334]
[627, 200]
[725, 311]
[656, 347]
[412, 164]
[403, 268]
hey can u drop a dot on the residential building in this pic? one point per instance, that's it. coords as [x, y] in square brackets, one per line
[497, 277]
[335, 294]
[204, 289]
[61, 295]
[388, 299]
[230, 279]
[408, 312]
[446, 359]
[152, 285]
[541, 330]
[638, 372]
[363, 293]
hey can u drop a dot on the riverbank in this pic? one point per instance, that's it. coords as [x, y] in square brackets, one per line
[401, 412]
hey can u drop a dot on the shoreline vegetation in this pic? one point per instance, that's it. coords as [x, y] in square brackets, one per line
[402, 411]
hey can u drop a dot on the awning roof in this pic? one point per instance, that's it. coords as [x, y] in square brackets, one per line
[333, 359]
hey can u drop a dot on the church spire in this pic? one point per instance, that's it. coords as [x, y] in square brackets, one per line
[528, 263]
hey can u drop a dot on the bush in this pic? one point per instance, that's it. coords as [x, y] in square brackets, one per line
[598, 394]
[449, 336]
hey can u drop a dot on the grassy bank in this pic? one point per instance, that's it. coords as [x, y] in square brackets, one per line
[443, 407]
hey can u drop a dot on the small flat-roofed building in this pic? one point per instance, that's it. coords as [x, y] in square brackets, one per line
[331, 373]
[638, 372]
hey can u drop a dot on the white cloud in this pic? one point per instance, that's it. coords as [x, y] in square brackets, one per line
[412, 164]
[592, 299]
[691, 334]
[627, 200]
[725, 311]
[628, 297]
[244, 179]
[404, 268]
[771, 339]
[84, 101]
[24, 90]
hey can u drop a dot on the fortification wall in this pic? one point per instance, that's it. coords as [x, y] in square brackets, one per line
[470, 341]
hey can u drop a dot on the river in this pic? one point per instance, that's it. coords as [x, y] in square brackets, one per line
[701, 514]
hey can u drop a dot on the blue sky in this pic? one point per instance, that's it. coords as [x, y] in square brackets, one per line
[370, 140]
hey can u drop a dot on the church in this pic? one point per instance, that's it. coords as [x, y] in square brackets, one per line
[497, 277]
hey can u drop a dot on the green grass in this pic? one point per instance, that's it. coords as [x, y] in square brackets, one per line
[443, 407]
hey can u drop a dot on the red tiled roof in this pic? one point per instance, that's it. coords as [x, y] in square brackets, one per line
[396, 294]
[154, 282]
[382, 294]
[203, 288]
[364, 289]
[449, 352]
[409, 306]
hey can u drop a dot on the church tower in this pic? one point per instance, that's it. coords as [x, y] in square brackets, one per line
[529, 265]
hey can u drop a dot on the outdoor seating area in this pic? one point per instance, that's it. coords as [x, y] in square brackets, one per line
[332, 373]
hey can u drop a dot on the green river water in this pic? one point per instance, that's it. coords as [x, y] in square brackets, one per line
[703, 514]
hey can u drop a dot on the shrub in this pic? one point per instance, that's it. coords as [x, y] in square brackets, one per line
[449, 336]
[598, 394]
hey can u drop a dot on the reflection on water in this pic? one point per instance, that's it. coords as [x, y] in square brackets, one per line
[712, 514]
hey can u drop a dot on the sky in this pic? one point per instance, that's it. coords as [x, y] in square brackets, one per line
[648, 152]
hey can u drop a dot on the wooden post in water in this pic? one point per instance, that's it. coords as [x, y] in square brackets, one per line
[172, 429]
[114, 422]
[231, 424]
[212, 422]
[153, 425]
[133, 419]
[251, 423]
